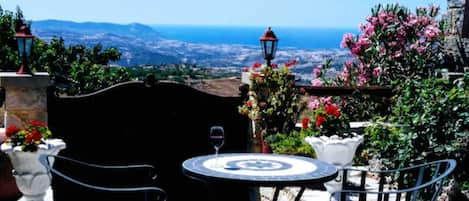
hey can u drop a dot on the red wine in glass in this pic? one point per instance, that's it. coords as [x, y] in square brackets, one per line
[217, 138]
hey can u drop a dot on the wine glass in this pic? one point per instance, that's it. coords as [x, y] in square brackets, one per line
[217, 138]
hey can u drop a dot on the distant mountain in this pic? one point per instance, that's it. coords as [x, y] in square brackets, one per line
[130, 39]
[135, 30]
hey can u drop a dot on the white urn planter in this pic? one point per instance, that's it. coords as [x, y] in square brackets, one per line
[337, 151]
[32, 178]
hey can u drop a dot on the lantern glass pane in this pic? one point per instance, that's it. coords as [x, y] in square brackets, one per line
[28, 46]
[274, 49]
[268, 50]
[21, 44]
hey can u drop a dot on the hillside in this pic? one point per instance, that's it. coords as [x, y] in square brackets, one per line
[134, 30]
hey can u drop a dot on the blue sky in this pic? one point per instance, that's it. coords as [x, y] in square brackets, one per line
[300, 13]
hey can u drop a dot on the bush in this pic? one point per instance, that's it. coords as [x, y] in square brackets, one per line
[395, 45]
[436, 115]
[291, 143]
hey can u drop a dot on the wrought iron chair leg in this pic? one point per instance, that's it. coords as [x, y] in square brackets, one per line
[277, 191]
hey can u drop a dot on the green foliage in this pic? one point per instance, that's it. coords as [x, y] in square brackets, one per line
[273, 99]
[436, 118]
[75, 69]
[175, 72]
[9, 22]
[293, 143]
[363, 107]
[383, 142]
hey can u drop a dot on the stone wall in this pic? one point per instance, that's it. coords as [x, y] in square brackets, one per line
[457, 43]
[25, 98]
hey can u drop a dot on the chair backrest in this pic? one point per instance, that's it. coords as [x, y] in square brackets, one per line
[419, 182]
[112, 190]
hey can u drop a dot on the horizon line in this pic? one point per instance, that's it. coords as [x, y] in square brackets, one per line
[197, 25]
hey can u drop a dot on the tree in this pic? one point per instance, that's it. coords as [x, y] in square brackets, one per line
[74, 70]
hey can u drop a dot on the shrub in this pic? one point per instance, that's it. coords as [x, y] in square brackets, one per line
[395, 45]
[436, 115]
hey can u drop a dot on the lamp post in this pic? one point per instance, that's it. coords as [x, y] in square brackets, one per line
[25, 39]
[269, 45]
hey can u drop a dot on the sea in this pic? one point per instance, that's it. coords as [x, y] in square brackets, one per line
[307, 38]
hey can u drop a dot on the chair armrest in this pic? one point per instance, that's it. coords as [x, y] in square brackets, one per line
[43, 159]
[150, 168]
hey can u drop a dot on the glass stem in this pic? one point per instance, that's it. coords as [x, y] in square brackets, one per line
[216, 156]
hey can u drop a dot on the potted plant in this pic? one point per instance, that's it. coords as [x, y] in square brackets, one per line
[272, 100]
[329, 129]
[329, 134]
[23, 146]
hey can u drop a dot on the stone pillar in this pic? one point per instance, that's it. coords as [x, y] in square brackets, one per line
[25, 100]
[25, 97]
[457, 42]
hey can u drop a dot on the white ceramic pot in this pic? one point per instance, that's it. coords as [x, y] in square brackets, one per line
[337, 151]
[32, 178]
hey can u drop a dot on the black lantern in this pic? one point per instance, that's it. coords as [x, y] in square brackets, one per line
[269, 45]
[25, 43]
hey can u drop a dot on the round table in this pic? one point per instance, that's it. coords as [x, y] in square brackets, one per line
[254, 169]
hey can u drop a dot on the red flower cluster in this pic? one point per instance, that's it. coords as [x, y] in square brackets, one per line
[320, 120]
[11, 130]
[329, 120]
[30, 137]
[331, 109]
[305, 123]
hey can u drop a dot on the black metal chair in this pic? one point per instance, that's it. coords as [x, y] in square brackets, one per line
[419, 182]
[121, 191]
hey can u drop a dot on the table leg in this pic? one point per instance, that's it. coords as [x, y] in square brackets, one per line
[300, 193]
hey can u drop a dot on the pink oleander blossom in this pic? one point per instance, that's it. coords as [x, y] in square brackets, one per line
[313, 103]
[316, 82]
[377, 71]
[348, 37]
[362, 79]
[317, 71]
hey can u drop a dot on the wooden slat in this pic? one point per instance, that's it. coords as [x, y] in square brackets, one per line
[346, 91]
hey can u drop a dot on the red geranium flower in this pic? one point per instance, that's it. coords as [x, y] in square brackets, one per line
[38, 123]
[331, 109]
[36, 135]
[256, 65]
[320, 120]
[304, 123]
[11, 130]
